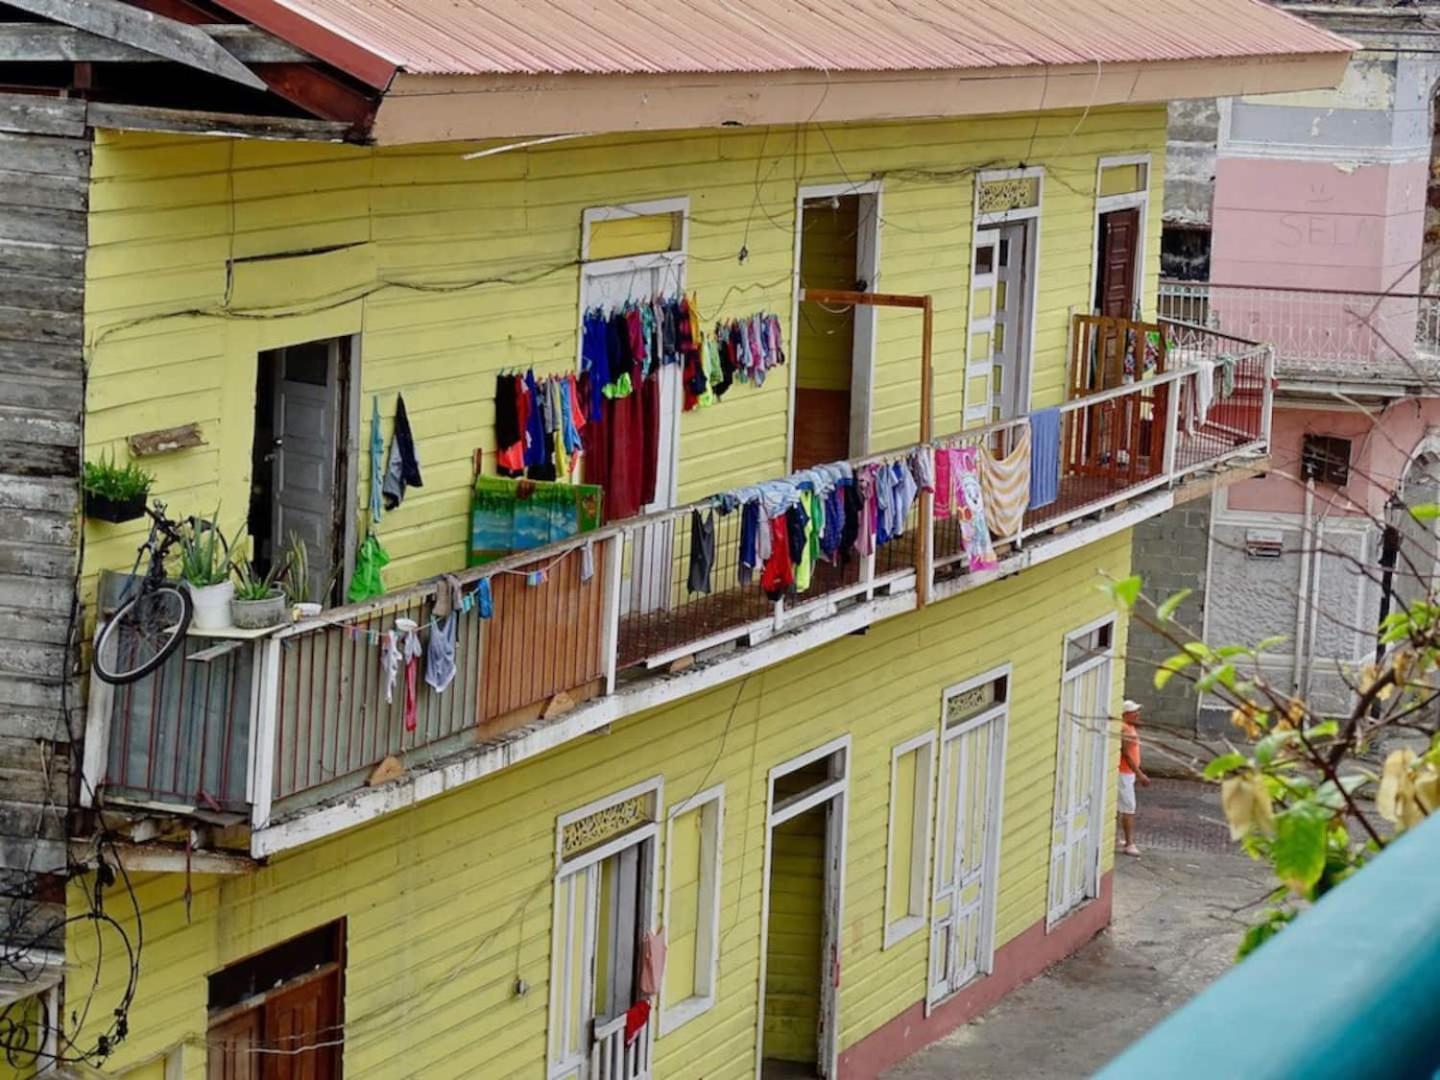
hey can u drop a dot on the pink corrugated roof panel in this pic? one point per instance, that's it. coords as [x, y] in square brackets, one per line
[618, 37]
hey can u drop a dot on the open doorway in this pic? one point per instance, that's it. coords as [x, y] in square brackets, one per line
[302, 467]
[834, 346]
[803, 903]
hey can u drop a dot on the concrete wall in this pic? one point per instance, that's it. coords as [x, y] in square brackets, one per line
[1169, 553]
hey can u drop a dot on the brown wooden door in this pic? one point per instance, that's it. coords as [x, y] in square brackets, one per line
[1115, 279]
[231, 1055]
[304, 1016]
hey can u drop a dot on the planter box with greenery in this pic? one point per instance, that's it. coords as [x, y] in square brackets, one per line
[115, 494]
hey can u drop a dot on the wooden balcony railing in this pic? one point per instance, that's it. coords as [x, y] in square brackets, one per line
[600, 613]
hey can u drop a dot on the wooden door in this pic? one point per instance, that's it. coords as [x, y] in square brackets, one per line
[232, 1048]
[1115, 276]
[304, 1017]
[305, 463]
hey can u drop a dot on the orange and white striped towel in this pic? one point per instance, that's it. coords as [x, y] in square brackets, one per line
[1007, 487]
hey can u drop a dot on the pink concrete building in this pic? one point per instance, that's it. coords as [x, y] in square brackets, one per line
[1316, 211]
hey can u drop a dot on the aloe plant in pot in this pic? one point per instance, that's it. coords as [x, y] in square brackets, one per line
[205, 568]
[259, 600]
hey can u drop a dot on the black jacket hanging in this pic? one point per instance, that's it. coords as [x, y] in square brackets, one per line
[404, 467]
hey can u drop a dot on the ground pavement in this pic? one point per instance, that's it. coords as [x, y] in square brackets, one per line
[1174, 931]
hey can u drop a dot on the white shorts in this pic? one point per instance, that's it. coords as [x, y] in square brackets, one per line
[1125, 797]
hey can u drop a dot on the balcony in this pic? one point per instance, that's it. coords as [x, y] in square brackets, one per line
[295, 732]
[1384, 341]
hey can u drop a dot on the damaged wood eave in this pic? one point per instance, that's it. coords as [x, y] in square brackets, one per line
[439, 108]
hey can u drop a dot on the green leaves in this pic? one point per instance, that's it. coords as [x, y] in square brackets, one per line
[1125, 591]
[1224, 765]
[1191, 653]
[1275, 920]
[1167, 609]
[1298, 850]
[1425, 511]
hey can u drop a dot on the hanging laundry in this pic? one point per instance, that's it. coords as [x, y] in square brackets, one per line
[800, 527]
[1227, 375]
[367, 583]
[484, 599]
[749, 541]
[440, 653]
[404, 468]
[1201, 396]
[412, 652]
[636, 1017]
[1044, 457]
[970, 508]
[377, 459]
[1007, 487]
[587, 561]
[944, 504]
[390, 663]
[777, 576]
[652, 961]
[702, 551]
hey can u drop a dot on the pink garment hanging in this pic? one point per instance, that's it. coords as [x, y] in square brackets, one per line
[652, 961]
[944, 483]
[412, 674]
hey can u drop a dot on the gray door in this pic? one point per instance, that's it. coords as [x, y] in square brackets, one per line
[305, 463]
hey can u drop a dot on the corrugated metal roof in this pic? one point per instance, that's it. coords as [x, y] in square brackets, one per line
[633, 37]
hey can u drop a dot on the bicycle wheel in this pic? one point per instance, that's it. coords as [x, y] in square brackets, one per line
[142, 634]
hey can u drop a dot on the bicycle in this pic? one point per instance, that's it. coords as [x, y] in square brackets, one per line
[147, 628]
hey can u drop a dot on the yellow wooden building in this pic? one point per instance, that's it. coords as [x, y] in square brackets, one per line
[655, 825]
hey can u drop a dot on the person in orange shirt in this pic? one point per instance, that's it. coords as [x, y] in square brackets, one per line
[1130, 771]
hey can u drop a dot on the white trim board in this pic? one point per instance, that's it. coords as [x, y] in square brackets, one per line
[897, 929]
[832, 938]
[707, 929]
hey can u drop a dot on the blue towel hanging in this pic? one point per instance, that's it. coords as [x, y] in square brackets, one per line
[1044, 457]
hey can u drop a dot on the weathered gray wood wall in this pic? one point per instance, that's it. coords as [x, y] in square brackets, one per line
[44, 183]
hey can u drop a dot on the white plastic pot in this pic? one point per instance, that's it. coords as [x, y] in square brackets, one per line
[212, 605]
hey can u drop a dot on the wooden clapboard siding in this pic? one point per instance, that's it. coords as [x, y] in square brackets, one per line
[169, 211]
[450, 902]
[543, 639]
[44, 183]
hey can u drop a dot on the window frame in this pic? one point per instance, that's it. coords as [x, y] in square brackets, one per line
[710, 803]
[899, 927]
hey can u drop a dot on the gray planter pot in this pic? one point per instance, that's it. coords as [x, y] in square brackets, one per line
[259, 614]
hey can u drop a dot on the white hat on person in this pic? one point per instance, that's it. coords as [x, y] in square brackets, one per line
[1130, 706]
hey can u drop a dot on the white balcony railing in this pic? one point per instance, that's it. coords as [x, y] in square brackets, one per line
[603, 613]
[1370, 336]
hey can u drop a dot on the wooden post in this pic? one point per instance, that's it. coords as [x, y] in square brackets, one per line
[926, 306]
[925, 570]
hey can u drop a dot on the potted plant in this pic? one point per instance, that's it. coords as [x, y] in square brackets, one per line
[259, 602]
[113, 493]
[298, 588]
[205, 569]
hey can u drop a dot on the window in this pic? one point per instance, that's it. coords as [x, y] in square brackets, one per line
[692, 907]
[287, 996]
[604, 891]
[1326, 459]
[908, 843]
